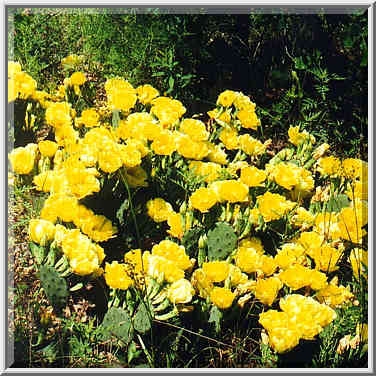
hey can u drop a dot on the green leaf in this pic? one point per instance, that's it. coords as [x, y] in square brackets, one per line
[216, 317]
[141, 320]
[38, 252]
[336, 203]
[221, 241]
[364, 61]
[133, 353]
[117, 323]
[50, 352]
[171, 82]
[54, 286]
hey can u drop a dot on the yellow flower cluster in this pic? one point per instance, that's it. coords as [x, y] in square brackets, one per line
[203, 280]
[273, 206]
[20, 84]
[292, 177]
[296, 137]
[41, 231]
[168, 111]
[85, 257]
[22, 159]
[301, 318]
[67, 209]
[121, 95]
[233, 178]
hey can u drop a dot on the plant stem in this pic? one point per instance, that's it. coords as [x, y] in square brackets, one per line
[124, 179]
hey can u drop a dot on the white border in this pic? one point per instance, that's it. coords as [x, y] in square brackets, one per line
[3, 235]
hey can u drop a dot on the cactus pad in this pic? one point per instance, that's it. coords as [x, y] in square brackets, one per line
[221, 241]
[54, 286]
[117, 323]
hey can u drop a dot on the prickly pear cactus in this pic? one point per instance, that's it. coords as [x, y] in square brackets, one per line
[221, 241]
[141, 321]
[117, 323]
[54, 286]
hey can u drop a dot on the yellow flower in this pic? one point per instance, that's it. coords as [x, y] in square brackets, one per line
[44, 180]
[121, 95]
[89, 118]
[77, 78]
[357, 189]
[254, 243]
[266, 290]
[84, 256]
[60, 206]
[164, 143]
[175, 222]
[286, 175]
[283, 339]
[268, 265]
[12, 90]
[226, 98]
[311, 241]
[173, 252]
[97, 227]
[195, 129]
[146, 93]
[180, 292]
[159, 210]
[303, 218]
[252, 176]
[159, 267]
[242, 102]
[168, 111]
[273, 206]
[248, 259]
[22, 159]
[41, 231]
[236, 276]
[351, 220]
[209, 170]
[25, 85]
[251, 146]
[359, 262]
[248, 119]
[290, 254]
[216, 271]
[229, 137]
[296, 277]
[320, 151]
[297, 137]
[334, 295]
[329, 166]
[47, 148]
[116, 276]
[222, 297]
[58, 115]
[318, 280]
[326, 258]
[130, 155]
[202, 283]
[203, 199]
[273, 319]
[13, 68]
[232, 191]
[354, 168]
[216, 154]
[191, 149]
